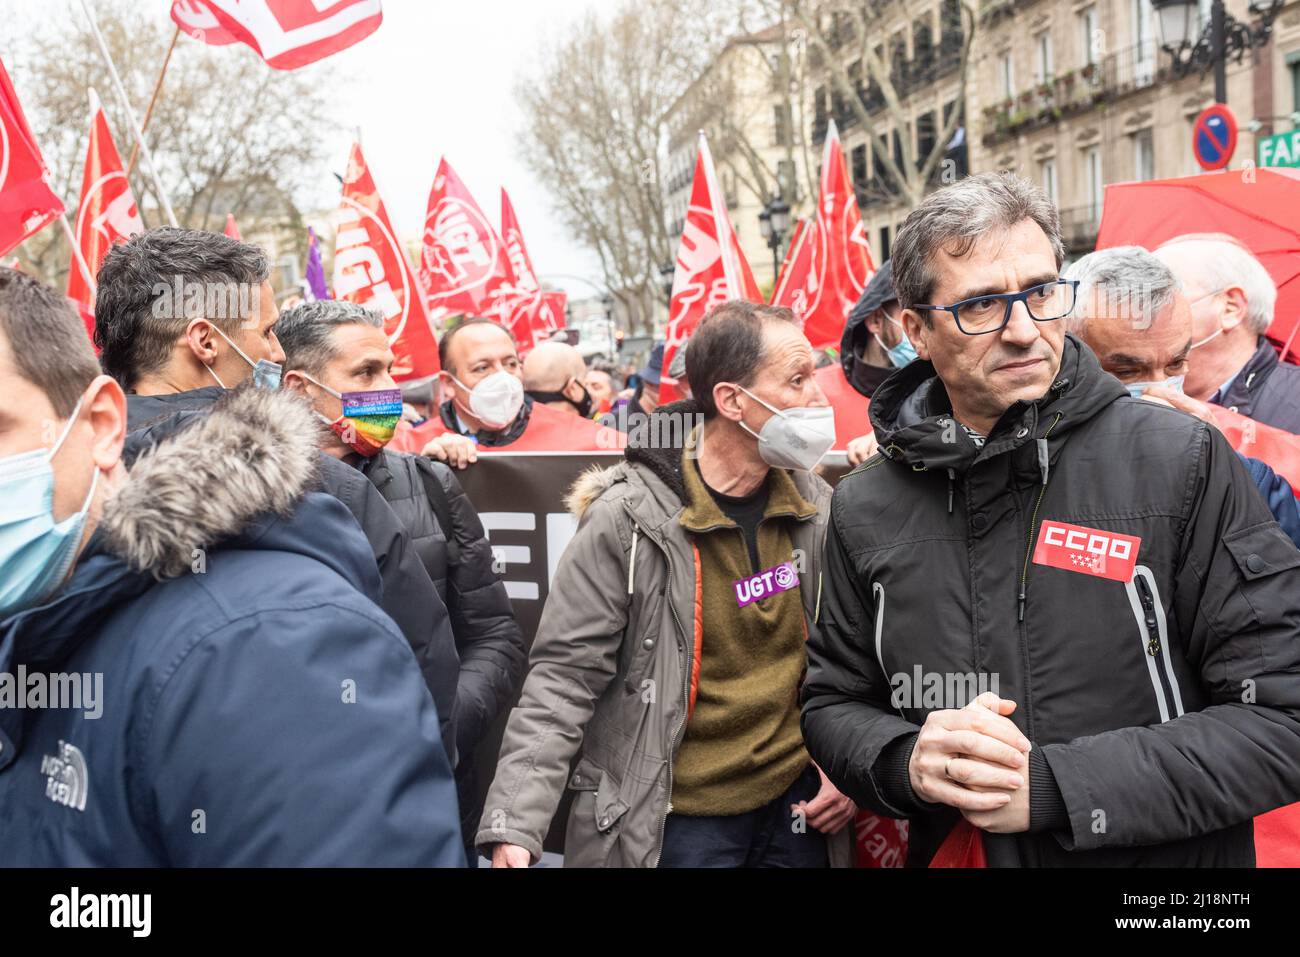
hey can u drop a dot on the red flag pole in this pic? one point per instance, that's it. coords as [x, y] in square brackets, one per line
[130, 164]
[76, 253]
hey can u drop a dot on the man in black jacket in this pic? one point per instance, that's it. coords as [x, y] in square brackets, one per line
[177, 309]
[1053, 610]
[334, 351]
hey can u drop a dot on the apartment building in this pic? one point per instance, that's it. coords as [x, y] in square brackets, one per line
[920, 41]
[745, 105]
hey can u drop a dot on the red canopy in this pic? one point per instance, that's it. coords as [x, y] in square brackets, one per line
[1258, 207]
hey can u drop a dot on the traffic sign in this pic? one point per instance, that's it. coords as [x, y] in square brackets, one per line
[1214, 137]
[1282, 149]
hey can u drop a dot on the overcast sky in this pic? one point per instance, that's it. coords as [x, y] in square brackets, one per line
[436, 78]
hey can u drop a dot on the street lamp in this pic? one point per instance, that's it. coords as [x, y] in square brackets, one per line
[1225, 37]
[607, 301]
[667, 273]
[773, 222]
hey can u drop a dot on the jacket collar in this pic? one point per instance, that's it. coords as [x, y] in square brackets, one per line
[912, 414]
[1245, 385]
[702, 512]
[511, 433]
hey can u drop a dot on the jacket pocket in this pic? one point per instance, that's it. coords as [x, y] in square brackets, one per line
[1153, 632]
[596, 810]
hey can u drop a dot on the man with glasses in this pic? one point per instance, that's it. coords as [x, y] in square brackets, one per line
[1054, 618]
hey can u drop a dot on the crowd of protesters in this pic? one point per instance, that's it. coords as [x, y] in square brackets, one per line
[258, 538]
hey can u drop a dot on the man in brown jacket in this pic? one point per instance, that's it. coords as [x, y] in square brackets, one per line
[671, 650]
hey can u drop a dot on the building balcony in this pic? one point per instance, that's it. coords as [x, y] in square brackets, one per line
[1077, 91]
[1079, 226]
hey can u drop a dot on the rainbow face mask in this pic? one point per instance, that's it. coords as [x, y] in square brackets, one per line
[369, 419]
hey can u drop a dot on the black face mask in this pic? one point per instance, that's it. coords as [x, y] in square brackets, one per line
[583, 407]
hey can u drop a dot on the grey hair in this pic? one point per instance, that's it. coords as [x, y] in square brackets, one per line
[955, 218]
[1224, 263]
[306, 332]
[139, 317]
[1136, 286]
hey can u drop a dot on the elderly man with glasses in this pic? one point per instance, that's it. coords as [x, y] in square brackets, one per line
[1057, 624]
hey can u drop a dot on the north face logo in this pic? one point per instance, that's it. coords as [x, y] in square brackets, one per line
[65, 777]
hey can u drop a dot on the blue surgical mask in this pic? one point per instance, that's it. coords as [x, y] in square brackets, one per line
[901, 354]
[1135, 389]
[266, 374]
[35, 550]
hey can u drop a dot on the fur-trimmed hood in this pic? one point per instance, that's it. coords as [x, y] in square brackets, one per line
[238, 477]
[254, 452]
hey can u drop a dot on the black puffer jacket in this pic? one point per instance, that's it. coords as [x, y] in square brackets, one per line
[488, 639]
[408, 596]
[1164, 712]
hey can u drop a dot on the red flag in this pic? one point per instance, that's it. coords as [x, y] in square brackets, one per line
[463, 263]
[26, 202]
[834, 265]
[791, 285]
[232, 228]
[107, 213]
[533, 314]
[711, 268]
[1278, 448]
[286, 34]
[850, 405]
[371, 268]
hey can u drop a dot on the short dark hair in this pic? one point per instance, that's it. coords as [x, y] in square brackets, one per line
[134, 335]
[727, 346]
[47, 339]
[306, 332]
[444, 344]
[953, 219]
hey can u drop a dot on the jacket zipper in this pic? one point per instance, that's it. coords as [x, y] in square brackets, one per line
[1153, 630]
[686, 688]
[1033, 522]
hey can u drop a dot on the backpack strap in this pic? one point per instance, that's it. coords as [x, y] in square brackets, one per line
[437, 496]
[379, 471]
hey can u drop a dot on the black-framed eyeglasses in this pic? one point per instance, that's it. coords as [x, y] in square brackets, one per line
[980, 315]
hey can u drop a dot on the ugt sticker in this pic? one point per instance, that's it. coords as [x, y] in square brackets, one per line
[1090, 551]
[779, 578]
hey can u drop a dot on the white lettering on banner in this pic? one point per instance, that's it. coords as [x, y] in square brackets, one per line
[560, 528]
[1074, 539]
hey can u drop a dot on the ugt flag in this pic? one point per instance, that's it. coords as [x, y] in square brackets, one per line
[286, 34]
[533, 314]
[26, 202]
[710, 265]
[107, 213]
[462, 262]
[370, 268]
[829, 264]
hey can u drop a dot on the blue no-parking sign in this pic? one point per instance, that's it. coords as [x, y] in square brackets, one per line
[1214, 137]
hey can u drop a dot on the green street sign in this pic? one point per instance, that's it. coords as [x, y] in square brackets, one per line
[1280, 150]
